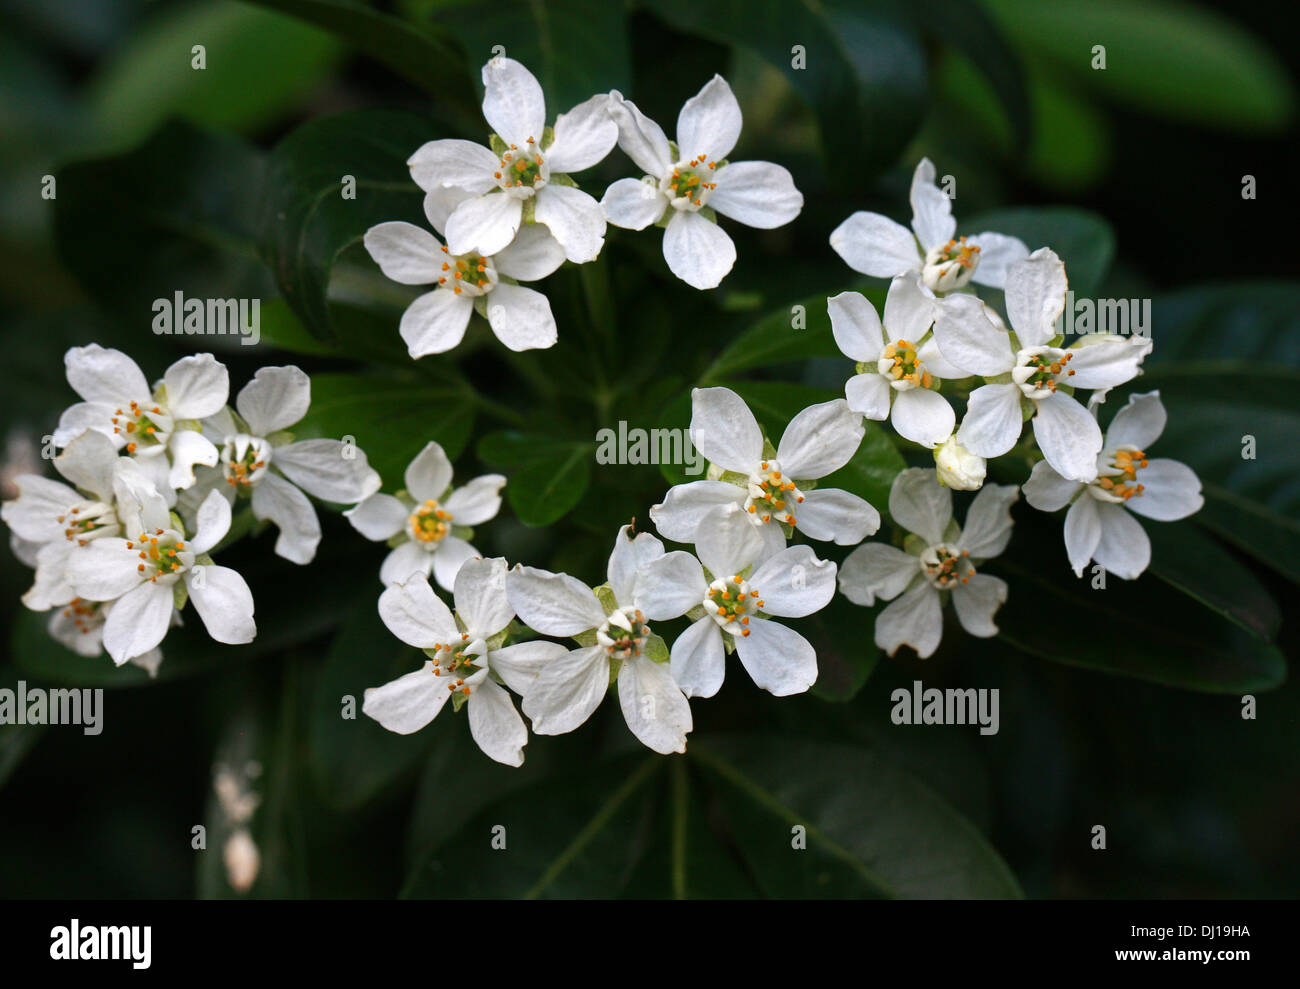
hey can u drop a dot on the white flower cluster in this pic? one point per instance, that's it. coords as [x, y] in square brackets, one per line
[152, 475]
[510, 212]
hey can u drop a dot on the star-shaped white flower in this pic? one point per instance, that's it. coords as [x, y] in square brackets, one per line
[939, 563]
[1098, 525]
[645, 584]
[528, 179]
[875, 245]
[466, 659]
[158, 426]
[258, 457]
[818, 441]
[739, 604]
[692, 180]
[1066, 433]
[468, 282]
[423, 519]
[899, 363]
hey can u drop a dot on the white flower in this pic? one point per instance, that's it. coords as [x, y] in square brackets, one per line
[876, 245]
[469, 281]
[259, 457]
[1066, 433]
[939, 561]
[899, 364]
[957, 467]
[158, 426]
[465, 659]
[692, 179]
[528, 180]
[150, 576]
[819, 440]
[737, 603]
[79, 626]
[645, 584]
[1097, 526]
[425, 517]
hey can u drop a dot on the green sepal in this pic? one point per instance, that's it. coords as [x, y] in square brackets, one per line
[548, 137]
[914, 545]
[176, 522]
[656, 649]
[498, 146]
[708, 213]
[586, 639]
[498, 640]
[696, 613]
[614, 666]
[999, 379]
[728, 643]
[605, 595]
[529, 213]
[952, 532]
[464, 532]
[180, 595]
[458, 700]
[1027, 408]
[281, 437]
[769, 450]
[559, 178]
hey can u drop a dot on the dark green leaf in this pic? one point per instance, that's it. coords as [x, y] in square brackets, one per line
[1082, 240]
[775, 339]
[550, 475]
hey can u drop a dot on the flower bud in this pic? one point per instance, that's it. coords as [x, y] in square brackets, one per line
[957, 467]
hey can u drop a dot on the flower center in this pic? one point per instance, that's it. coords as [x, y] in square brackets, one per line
[84, 615]
[88, 520]
[429, 523]
[142, 426]
[950, 266]
[244, 459]
[1040, 369]
[1118, 481]
[457, 662]
[770, 495]
[946, 565]
[624, 633]
[687, 186]
[522, 172]
[162, 554]
[472, 274]
[731, 602]
[899, 363]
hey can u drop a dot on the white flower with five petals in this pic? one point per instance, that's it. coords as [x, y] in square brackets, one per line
[692, 180]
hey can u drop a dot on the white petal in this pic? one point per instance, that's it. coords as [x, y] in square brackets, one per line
[533, 254]
[988, 521]
[998, 252]
[404, 252]
[76, 419]
[435, 322]
[724, 430]
[379, 517]
[868, 394]
[103, 570]
[212, 522]
[405, 560]
[936, 363]
[1047, 490]
[794, 583]
[820, 440]
[968, 339]
[575, 220]
[727, 542]
[518, 665]
[641, 138]
[993, 421]
[481, 601]
[931, 209]
[512, 101]
[417, 616]
[88, 463]
[1139, 423]
[709, 122]
[778, 659]
[407, 704]
[452, 554]
[1035, 294]
[138, 621]
[910, 308]
[1171, 491]
[224, 602]
[1124, 548]
[923, 416]
[698, 662]
[1082, 533]
[486, 224]
[197, 387]
[920, 504]
[440, 202]
[633, 204]
[34, 514]
[140, 505]
[477, 501]
[276, 398]
[669, 586]
[876, 570]
[629, 555]
[429, 474]
[875, 245]
[328, 469]
[839, 516]
[188, 449]
[276, 499]
[977, 602]
[495, 725]
[104, 376]
[583, 136]
[521, 318]
[757, 194]
[698, 252]
[567, 690]
[462, 164]
[553, 603]
[855, 326]
[915, 619]
[653, 705]
[1106, 363]
[1068, 436]
[685, 506]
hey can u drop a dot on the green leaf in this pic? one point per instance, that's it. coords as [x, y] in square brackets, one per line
[846, 651]
[1178, 60]
[864, 73]
[1081, 239]
[872, 829]
[550, 475]
[307, 223]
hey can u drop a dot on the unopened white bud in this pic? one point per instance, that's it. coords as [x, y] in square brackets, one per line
[957, 467]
